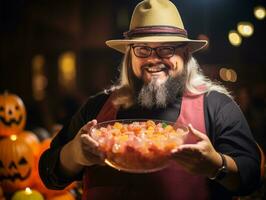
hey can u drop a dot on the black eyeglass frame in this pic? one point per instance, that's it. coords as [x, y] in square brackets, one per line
[133, 46]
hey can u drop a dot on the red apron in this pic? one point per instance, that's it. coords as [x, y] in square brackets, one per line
[172, 183]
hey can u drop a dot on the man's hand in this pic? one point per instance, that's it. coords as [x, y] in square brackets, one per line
[81, 151]
[200, 158]
[86, 148]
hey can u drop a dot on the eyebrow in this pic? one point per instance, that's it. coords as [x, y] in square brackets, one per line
[162, 45]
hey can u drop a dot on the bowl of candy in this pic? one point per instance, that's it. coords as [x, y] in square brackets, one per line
[138, 145]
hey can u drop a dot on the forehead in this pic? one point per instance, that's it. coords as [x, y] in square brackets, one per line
[155, 44]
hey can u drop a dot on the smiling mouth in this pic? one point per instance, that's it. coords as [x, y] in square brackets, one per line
[156, 68]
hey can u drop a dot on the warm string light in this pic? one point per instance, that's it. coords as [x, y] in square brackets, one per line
[67, 70]
[246, 29]
[259, 12]
[234, 38]
[228, 75]
[39, 80]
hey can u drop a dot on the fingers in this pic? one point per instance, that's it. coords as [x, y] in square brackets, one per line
[90, 124]
[86, 139]
[86, 147]
[197, 133]
[90, 147]
[188, 147]
[87, 127]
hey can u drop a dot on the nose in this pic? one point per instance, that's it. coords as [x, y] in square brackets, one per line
[154, 56]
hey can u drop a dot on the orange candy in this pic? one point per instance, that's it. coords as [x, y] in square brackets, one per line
[139, 142]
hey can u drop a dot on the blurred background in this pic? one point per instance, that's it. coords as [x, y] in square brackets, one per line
[53, 53]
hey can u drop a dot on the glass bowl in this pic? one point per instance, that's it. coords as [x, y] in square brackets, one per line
[138, 145]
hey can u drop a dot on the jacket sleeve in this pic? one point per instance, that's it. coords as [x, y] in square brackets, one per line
[49, 171]
[231, 135]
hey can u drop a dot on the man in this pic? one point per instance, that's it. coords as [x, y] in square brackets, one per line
[160, 80]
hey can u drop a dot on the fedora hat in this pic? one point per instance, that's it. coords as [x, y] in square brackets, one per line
[156, 21]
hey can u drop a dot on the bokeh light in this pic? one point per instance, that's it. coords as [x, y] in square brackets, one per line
[39, 80]
[246, 29]
[228, 74]
[222, 74]
[233, 75]
[38, 62]
[259, 12]
[234, 38]
[67, 70]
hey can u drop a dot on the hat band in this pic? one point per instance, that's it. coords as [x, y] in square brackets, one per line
[155, 30]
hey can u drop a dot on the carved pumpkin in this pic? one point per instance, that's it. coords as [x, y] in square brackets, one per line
[32, 140]
[45, 144]
[12, 114]
[64, 196]
[16, 164]
[2, 194]
[38, 184]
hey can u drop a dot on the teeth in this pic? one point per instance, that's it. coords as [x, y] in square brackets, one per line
[153, 69]
[156, 68]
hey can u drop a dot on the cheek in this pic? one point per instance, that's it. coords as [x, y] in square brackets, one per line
[136, 67]
[178, 65]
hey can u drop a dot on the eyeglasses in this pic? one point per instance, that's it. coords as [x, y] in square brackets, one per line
[161, 51]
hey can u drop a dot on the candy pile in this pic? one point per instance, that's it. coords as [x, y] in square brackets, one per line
[140, 144]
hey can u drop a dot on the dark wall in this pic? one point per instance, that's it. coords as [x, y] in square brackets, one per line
[30, 27]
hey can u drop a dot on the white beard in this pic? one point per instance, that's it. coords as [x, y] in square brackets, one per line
[158, 93]
[154, 93]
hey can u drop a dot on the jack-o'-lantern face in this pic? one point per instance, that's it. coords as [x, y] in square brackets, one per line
[12, 114]
[16, 164]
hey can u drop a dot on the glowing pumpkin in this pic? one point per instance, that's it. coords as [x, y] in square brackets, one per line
[45, 144]
[38, 184]
[32, 140]
[12, 114]
[2, 194]
[16, 164]
[64, 196]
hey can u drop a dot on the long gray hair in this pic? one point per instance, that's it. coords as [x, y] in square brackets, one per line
[195, 79]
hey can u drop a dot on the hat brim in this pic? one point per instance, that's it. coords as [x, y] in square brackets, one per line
[121, 45]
